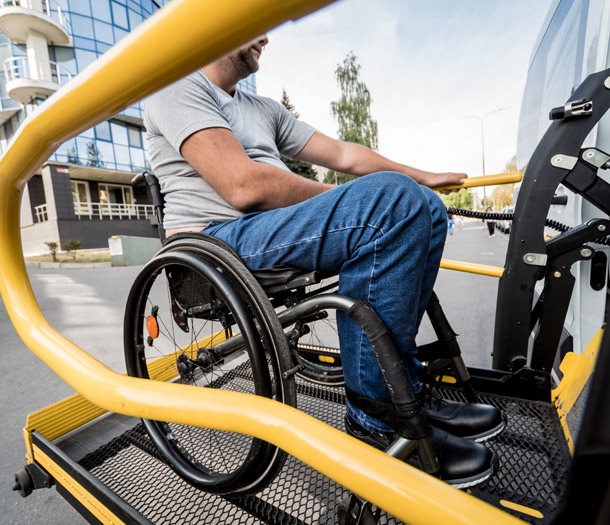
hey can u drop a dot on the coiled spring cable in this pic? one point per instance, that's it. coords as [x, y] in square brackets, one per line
[554, 225]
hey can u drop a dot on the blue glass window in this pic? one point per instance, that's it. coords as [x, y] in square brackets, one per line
[135, 137]
[84, 43]
[103, 32]
[81, 26]
[64, 56]
[119, 133]
[66, 151]
[101, 10]
[84, 58]
[102, 131]
[137, 158]
[102, 48]
[119, 15]
[106, 154]
[122, 156]
[88, 133]
[135, 19]
[134, 5]
[81, 6]
[119, 33]
[82, 146]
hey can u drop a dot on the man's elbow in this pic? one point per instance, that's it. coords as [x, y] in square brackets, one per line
[245, 199]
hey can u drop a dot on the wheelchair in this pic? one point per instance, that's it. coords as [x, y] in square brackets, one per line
[197, 315]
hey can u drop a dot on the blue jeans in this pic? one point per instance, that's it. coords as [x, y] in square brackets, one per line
[384, 235]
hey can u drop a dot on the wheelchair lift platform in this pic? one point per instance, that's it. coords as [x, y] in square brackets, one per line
[111, 472]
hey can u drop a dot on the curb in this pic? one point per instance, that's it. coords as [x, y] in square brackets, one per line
[57, 265]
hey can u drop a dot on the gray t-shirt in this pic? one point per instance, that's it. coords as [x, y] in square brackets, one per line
[262, 126]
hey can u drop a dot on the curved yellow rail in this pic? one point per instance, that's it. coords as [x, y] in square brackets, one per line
[183, 36]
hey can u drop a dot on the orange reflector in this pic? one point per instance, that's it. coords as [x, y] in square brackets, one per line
[326, 359]
[152, 326]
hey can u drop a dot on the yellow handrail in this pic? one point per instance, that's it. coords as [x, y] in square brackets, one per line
[487, 180]
[182, 37]
[480, 269]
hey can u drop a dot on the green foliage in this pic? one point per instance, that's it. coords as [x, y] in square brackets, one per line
[94, 157]
[53, 249]
[73, 156]
[352, 111]
[304, 169]
[458, 199]
[71, 247]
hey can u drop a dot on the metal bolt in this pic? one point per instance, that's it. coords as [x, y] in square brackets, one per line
[589, 154]
[586, 252]
[558, 160]
[529, 258]
[602, 227]
[557, 275]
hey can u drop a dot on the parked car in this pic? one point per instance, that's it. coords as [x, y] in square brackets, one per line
[504, 225]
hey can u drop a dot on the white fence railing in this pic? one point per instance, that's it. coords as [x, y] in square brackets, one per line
[49, 7]
[96, 210]
[41, 213]
[113, 211]
[27, 68]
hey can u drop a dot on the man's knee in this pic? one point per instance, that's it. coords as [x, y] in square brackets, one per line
[437, 206]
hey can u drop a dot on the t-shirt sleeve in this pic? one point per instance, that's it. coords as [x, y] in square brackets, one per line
[291, 133]
[181, 109]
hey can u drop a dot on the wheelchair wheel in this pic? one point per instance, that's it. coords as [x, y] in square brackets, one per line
[318, 350]
[196, 315]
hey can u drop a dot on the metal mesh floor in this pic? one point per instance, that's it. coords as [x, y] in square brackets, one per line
[533, 457]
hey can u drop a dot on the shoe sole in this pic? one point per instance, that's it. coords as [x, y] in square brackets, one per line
[484, 436]
[471, 481]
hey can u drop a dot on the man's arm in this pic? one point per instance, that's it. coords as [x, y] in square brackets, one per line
[245, 184]
[354, 159]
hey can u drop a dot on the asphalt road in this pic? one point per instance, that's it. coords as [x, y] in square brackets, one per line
[86, 305]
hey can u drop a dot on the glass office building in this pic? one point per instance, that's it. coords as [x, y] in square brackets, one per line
[84, 187]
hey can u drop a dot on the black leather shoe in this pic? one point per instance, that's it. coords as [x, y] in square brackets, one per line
[381, 440]
[463, 463]
[467, 420]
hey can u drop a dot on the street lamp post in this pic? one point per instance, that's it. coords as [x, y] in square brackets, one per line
[482, 122]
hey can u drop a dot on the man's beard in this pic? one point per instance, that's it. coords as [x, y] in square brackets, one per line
[244, 62]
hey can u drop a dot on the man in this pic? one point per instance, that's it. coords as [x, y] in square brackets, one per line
[216, 151]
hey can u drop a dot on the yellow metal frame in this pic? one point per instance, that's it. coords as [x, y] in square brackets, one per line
[183, 36]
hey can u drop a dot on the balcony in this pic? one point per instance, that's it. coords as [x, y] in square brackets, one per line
[19, 17]
[102, 211]
[8, 107]
[27, 78]
[113, 211]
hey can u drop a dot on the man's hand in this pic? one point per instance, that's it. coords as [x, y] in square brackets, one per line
[436, 180]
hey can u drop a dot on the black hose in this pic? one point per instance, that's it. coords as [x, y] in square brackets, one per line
[554, 225]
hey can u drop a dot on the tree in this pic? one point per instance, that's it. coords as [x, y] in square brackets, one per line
[458, 199]
[352, 111]
[73, 156]
[53, 249]
[71, 247]
[94, 157]
[304, 169]
[502, 196]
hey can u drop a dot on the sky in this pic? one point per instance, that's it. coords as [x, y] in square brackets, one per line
[427, 63]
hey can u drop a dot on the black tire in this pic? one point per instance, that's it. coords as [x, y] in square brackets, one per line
[192, 290]
[318, 351]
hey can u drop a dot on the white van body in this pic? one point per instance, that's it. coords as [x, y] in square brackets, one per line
[573, 43]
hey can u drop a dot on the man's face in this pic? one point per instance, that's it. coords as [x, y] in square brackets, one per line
[245, 58]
